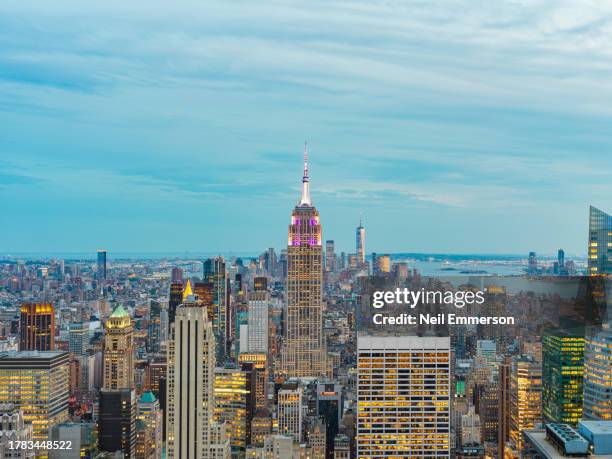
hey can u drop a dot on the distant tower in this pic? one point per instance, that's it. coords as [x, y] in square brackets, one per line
[303, 354]
[600, 241]
[37, 327]
[360, 244]
[191, 432]
[101, 271]
[118, 351]
[533, 263]
[330, 257]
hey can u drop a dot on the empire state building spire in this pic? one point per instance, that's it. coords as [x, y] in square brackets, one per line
[305, 199]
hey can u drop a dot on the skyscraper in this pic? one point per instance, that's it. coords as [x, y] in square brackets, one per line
[191, 432]
[289, 411]
[234, 404]
[403, 401]
[37, 327]
[330, 257]
[360, 244]
[562, 377]
[214, 272]
[117, 421]
[259, 303]
[598, 374]
[149, 413]
[37, 383]
[175, 299]
[600, 242]
[525, 398]
[118, 351]
[101, 265]
[303, 354]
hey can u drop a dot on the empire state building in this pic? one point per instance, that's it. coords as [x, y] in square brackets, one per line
[303, 353]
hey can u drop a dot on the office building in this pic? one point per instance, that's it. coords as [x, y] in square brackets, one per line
[149, 431]
[174, 300]
[118, 351]
[303, 353]
[214, 272]
[234, 405]
[117, 421]
[37, 383]
[562, 377]
[101, 265]
[258, 305]
[257, 364]
[330, 408]
[525, 398]
[289, 411]
[330, 257]
[597, 403]
[403, 396]
[37, 327]
[600, 242]
[191, 432]
[78, 338]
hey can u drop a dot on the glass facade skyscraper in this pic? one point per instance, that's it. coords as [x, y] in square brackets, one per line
[562, 377]
[600, 242]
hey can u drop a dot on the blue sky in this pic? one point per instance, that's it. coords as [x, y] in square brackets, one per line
[462, 127]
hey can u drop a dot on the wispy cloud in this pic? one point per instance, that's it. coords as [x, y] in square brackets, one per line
[452, 105]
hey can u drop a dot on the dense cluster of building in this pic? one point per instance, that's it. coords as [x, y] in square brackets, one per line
[261, 359]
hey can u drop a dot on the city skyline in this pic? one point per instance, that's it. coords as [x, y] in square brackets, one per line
[121, 142]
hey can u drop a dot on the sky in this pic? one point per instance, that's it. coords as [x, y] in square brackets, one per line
[450, 126]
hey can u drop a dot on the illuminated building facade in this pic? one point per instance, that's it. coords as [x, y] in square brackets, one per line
[214, 272]
[234, 405]
[600, 242]
[258, 366]
[403, 396]
[525, 398]
[37, 383]
[259, 303]
[118, 351]
[175, 299]
[191, 432]
[303, 354]
[37, 327]
[289, 411]
[598, 374]
[148, 413]
[562, 377]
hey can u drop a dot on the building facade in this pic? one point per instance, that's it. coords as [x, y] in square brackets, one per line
[403, 396]
[303, 354]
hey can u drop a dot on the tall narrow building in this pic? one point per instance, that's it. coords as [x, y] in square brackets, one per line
[101, 265]
[191, 431]
[37, 327]
[360, 244]
[600, 242]
[118, 351]
[597, 404]
[562, 376]
[215, 273]
[303, 354]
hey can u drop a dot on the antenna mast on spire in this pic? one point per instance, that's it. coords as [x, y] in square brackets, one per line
[305, 199]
